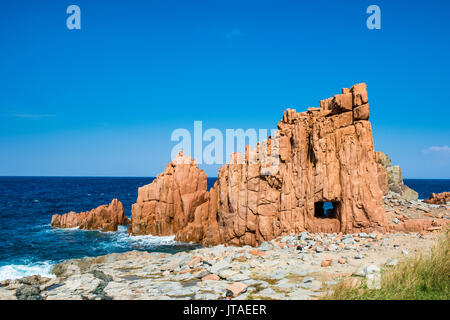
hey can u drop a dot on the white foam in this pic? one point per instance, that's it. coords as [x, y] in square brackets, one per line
[16, 271]
[67, 229]
[122, 239]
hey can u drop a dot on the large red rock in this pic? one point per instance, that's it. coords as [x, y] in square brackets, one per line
[321, 155]
[105, 217]
[175, 201]
[440, 198]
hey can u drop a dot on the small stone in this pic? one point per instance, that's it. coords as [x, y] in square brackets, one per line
[348, 241]
[308, 280]
[266, 246]
[326, 262]
[304, 257]
[227, 274]
[237, 288]
[238, 277]
[358, 256]
[220, 266]
[332, 247]
[371, 269]
[211, 276]
[391, 262]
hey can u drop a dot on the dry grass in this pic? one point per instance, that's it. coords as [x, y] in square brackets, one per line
[423, 277]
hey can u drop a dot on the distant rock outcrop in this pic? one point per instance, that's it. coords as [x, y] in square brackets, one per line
[440, 198]
[323, 157]
[105, 218]
[390, 178]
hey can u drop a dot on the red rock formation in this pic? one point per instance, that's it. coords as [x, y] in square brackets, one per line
[105, 218]
[390, 178]
[322, 155]
[172, 201]
[440, 198]
[326, 155]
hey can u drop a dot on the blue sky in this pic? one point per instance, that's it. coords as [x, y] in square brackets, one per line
[104, 100]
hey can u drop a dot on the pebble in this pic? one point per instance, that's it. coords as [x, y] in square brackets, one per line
[391, 262]
[308, 279]
[266, 246]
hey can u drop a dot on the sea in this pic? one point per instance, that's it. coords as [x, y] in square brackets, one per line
[28, 244]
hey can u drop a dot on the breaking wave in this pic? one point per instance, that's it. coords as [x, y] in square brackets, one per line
[16, 271]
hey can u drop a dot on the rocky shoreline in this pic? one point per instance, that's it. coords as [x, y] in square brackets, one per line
[298, 266]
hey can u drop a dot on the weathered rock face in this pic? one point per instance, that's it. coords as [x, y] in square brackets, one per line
[322, 155]
[172, 201]
[390, 178]
[106, 218]
[325, 155]
[440, 198]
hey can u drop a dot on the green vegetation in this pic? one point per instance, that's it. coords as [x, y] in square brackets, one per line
[423, 277]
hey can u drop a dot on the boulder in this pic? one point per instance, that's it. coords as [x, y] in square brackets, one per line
[105, 217]
[390, 178]
[440, 198]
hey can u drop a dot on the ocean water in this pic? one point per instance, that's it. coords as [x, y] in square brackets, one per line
[28, 244]
[425, 187]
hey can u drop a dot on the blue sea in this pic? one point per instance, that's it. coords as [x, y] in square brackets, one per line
[28, 244]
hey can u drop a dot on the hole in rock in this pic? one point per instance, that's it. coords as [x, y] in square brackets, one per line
[326, 209]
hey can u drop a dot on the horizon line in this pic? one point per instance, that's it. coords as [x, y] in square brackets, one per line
[81, 176]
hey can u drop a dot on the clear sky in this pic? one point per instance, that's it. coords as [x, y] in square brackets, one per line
[104, 100]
